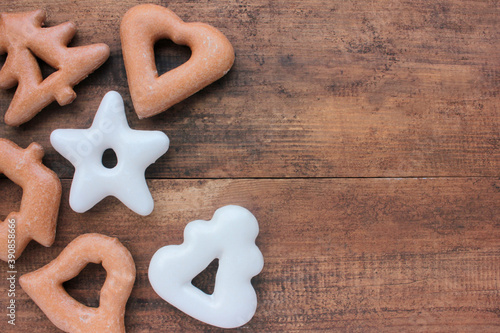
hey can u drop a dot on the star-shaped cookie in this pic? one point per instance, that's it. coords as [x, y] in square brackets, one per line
[135, 151]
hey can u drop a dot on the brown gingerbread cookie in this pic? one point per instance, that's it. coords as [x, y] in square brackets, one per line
[142, 26]
[37, 217]
[44, 285]
[22, 37]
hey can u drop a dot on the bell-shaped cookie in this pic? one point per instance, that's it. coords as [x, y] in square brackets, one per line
[44, 285]
[229, 237]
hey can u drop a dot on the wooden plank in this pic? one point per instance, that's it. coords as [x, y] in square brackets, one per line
[320, 88]
[349, 254]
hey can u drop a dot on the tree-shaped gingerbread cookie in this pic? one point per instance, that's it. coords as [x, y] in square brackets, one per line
[22, 38]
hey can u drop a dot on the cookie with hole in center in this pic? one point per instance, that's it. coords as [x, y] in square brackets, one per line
[44, 285]
[142, 26]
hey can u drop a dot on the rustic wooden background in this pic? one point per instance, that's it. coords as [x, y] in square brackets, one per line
[363, 135]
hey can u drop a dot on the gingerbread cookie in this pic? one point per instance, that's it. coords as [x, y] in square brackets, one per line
[22, 37]
[44, 285]
[40, 204]
[212, 57]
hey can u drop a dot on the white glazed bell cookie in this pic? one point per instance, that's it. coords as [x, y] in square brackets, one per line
[230, 237]
[135, 151]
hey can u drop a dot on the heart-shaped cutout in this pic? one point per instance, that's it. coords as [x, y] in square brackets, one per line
[44, 285]
[229, 237]
[142, 26]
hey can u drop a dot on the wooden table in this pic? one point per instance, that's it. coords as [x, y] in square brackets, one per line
[363, 135]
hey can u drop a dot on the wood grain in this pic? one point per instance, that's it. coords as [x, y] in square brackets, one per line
[363, 135]
[319, 89]
[352, 254]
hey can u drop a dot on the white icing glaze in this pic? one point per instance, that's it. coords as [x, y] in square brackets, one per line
[230, 237]
[135, 151]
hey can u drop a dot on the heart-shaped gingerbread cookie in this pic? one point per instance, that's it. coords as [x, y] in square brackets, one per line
[212, 57]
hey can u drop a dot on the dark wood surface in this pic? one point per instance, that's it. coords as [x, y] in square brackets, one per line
[363, 135]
